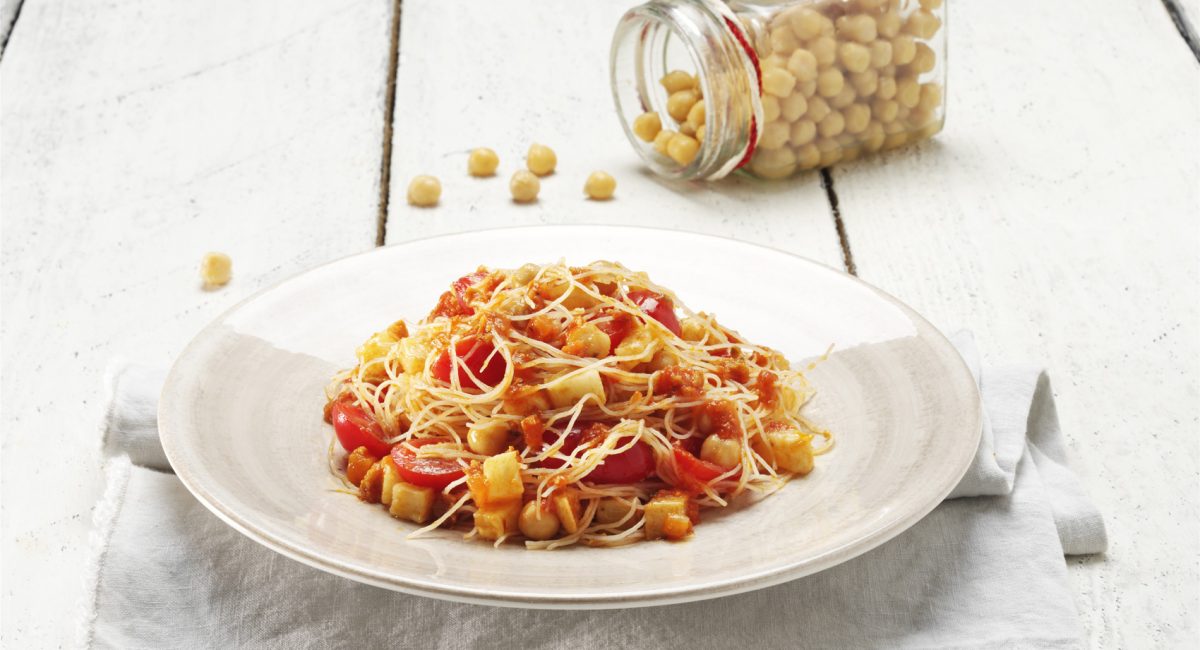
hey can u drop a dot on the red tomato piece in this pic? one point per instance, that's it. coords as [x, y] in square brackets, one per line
[701, 470]
[434, 473]
[630, 466]
[355, 428]
[473, 355]
[658, 307]
[617, 328]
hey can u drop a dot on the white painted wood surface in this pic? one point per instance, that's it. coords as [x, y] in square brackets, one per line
[137, 136]
[477, 88]
[1056, 217]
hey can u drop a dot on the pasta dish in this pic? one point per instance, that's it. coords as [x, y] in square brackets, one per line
[559, 405]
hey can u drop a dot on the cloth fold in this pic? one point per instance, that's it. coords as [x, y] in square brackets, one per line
[984, 569]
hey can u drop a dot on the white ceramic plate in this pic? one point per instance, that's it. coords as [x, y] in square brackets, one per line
[241, 421]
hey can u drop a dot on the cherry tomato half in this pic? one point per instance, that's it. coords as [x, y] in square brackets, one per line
[701, 470]
[355, 428]
[630, 466]
[434, 473]
[658, 307]
[473, 355]
[617, 327]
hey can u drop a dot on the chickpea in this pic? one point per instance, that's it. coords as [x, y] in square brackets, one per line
[858, 116]
[774, 163]
[865, 83]
[803, 65]
[647, 125]
[830, 82]
[872, 138]
[897, 125]
[719, 451]
[831, 157]
[771, 108]
[807, 88]
[794, 106]
[832, 125]
[683, 148]
[924, 59]
[778, 82]
[482, 162]
[695, 117]
[524, 186]
[908, 92]
[844, 98]
[861, 28]
[881, 54]
[680, 102]
[895, 140]
[488, 438]
[885, 109]
[216, 269]
[855, 57]
[541, 159]
[889, 25]
[887, 87]
[610, 510]
[774, 135]
[783, 40]
[818, 108]
[919, 117]
[806, 23]
[687, 129]
[600, 186]
[904, 48]
[922, 24]
[662, 140]
[808, 156]
[825, 50]
[931, 96]
[677, 80]
[930, 5]
[700, 133]
[802, 133]
[538, 523]
[424, 191]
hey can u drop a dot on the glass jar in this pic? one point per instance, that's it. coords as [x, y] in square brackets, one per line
[704, 88]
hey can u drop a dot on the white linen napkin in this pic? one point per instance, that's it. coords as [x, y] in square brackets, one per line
[982, 571]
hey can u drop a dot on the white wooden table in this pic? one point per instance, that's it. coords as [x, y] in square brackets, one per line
[1055, 216]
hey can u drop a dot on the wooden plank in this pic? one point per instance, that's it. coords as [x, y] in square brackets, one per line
[1055, 217]
[503, 75]
[136, 137]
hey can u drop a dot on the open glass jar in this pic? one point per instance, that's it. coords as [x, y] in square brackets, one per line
[705, 87]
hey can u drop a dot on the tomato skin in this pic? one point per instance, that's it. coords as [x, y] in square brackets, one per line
[617, 328]
[472, 354]
[658, 307]
[701, 470]
[630, 466]
[434, 473]
[355, 428]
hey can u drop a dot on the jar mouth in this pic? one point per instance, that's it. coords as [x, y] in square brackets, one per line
[696, 36]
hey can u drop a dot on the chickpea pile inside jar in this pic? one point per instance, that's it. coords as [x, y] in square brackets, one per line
[705, 88]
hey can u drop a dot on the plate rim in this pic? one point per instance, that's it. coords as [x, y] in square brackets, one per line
[636, 597]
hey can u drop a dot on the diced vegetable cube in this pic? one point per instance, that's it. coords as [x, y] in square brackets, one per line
[567, 507]
[502, 474]
[662, 516]
[411, 502]
[497, 520]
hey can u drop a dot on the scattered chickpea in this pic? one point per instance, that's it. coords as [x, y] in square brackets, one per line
[600, 186]
[778, 82]
[482, 162]
[424, 191]
[830, 82]
[216, 269]
[540, 159]
[803, 65]
[524, 186]
[647, 126]
[855, 57]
